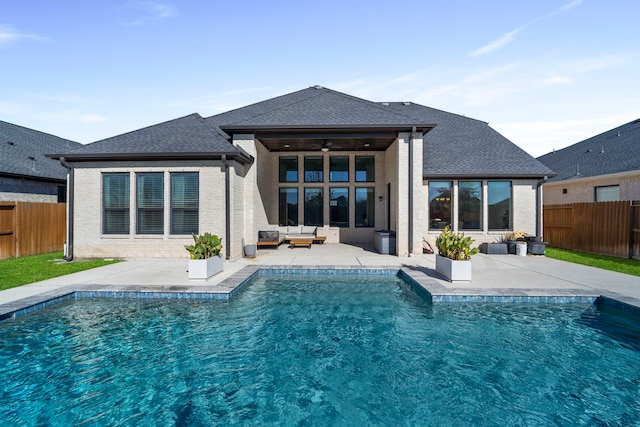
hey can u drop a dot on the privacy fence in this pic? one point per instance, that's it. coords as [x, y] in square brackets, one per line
[606, 228]
[31, 228]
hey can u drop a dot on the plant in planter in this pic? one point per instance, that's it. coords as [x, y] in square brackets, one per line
[205, 256]
[454, 255]
[511, 238]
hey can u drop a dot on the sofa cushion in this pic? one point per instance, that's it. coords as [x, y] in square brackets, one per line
[308, 229]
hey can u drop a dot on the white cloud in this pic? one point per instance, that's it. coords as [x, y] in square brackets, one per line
[9, 36]
[510, 36]
[498, 43]
[152, 11]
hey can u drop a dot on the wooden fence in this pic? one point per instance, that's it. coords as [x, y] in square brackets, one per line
[31, 228]
[607, 228]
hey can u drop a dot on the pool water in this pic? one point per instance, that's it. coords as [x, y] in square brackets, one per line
[311, 350]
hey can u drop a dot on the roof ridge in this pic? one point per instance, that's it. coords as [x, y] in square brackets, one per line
[438, 110]
[146, 127]
[276, 108]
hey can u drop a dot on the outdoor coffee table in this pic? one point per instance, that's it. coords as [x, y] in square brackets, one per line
[300, 241]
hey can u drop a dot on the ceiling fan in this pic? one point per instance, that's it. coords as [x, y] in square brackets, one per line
[328, 145]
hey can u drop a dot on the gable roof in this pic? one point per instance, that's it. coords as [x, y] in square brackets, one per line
[314, 107]
[189, 137]
[460, 147]
[23, 153]
[614, 151]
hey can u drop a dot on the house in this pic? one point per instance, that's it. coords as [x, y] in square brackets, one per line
[605, 167]
[26, 174]
[319, 158]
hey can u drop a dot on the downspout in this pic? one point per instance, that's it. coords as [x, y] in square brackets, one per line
[539, 205]
[413, 131]
[68, 256]
[227, 208]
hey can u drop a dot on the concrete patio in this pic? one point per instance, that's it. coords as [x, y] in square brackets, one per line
[493, 275]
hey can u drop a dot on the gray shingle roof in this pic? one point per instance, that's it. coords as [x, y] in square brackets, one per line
[614, 151]
[189, 135]
[463, 147]
[18, 144]
[313, 107]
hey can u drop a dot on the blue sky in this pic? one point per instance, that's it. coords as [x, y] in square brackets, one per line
[545, 74]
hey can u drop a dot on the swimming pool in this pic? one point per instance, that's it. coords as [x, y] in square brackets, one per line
[306, 349]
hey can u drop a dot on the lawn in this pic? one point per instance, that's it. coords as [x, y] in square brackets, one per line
[21, 271]
[621, 265]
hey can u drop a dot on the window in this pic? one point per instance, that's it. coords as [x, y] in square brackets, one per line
[313, 171]
[470, 205]
[115, 203]
[313, 206]
[150, 198]
[609, 193]
[439, 204]
[62, 194]
[339, 207]
[288, 169]
[288, 203]
[365, 207]
[365, 169]
[339, 169]
[499, 201]
[184, 203]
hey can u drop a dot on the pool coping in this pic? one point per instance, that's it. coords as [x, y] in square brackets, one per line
[415, 276]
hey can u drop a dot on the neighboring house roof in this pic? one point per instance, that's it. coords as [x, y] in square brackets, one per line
[188, 137]
[614, 151]
[463, 147]
[23, 153]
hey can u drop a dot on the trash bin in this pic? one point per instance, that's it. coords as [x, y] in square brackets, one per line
[249, 251]
[521, 248]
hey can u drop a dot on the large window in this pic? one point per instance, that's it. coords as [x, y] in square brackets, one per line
[339, 207]
[184, 203]
[499, 201]
[365, 166]
[115, 203]
[365, 207]
[339, 169]
[313, 206]
[609, 193]
[439, 204]
[288, 203]
[288, 169]
[150, 203]
[313, 171]
[470, 205]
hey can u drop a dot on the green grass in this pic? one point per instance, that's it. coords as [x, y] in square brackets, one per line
[621, 265]
[21, 271]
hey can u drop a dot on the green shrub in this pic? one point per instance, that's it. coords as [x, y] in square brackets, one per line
[455, 246]
[205, 246]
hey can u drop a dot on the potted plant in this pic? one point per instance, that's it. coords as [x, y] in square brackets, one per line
[205, 256]
[499, 247]
[453, 260]
[512, 238]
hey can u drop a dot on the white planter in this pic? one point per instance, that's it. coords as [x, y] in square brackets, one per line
[454, 271]
[521, 248]
[202, 269]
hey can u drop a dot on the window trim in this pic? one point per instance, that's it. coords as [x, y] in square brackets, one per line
[173, 210]
[126, 209]
[140, 210]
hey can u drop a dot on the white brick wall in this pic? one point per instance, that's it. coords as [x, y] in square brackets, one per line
[88, 238]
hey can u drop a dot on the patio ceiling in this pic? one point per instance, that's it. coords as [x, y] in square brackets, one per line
[370, 139]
